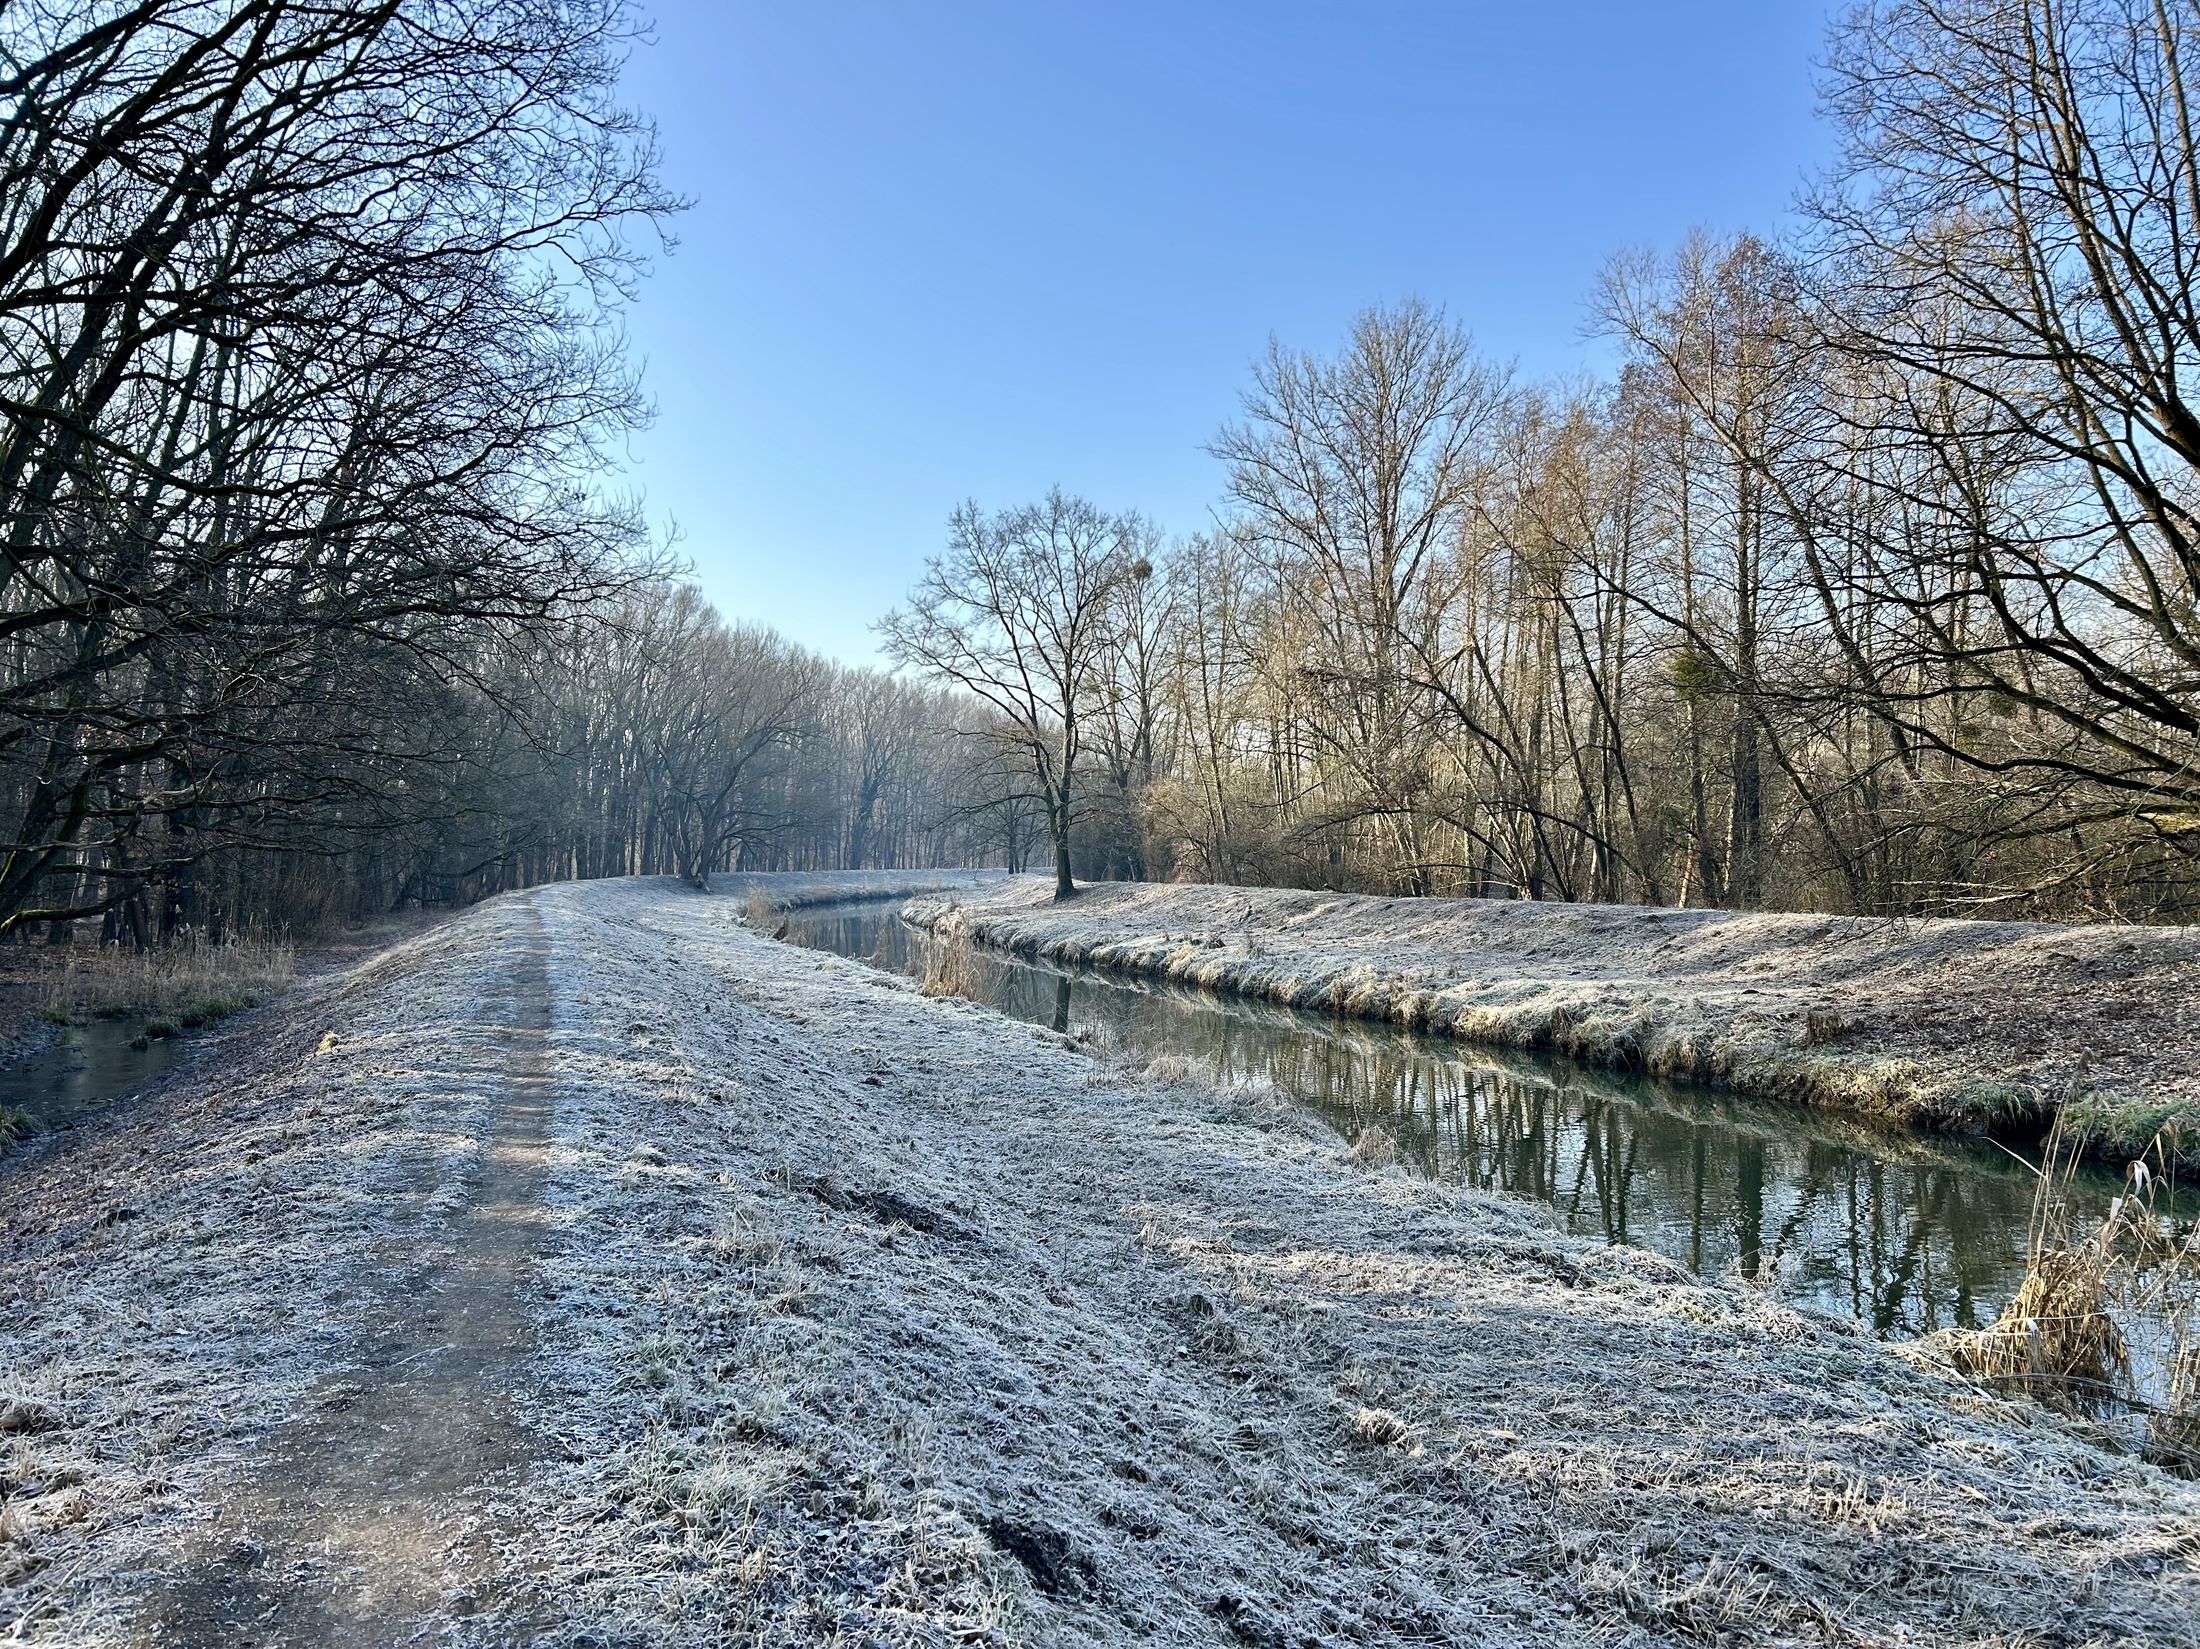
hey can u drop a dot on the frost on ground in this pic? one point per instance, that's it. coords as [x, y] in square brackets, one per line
[862, 1318]
[1951, 1024]
[795, 890]
[182, 1277]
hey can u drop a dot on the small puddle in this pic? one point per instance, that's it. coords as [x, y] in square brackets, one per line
[1905, 1233]
[85, 1067]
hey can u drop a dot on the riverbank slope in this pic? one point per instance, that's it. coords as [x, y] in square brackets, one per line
[593, 1269]
[1960, 1025]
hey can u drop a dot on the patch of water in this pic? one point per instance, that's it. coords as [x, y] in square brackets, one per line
[1905, 1233]
[83, 1068]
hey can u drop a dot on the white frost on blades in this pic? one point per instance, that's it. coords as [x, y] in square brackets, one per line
[890, 1318]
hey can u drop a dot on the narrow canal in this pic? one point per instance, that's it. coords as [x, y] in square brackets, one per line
[1905, 1233]
[82, 1069]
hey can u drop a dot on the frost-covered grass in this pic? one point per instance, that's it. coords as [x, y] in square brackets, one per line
[1960, 1025]
[924, 1326]
[785, 890]
[863, 1317]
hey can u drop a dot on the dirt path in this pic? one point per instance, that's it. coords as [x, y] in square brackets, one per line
[369, 1520]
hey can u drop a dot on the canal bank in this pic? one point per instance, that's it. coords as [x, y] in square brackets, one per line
[1903, 1233]
[1955, 1026]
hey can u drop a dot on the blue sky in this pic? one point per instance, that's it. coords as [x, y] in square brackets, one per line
[949, 249]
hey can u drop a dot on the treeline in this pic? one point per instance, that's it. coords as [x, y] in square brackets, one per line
[307, 363]
[653, 738]
[313, 601]
[646, 735]
[1871, 581]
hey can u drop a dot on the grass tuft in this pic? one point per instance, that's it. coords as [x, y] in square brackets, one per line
[2062, 1338]
[2056, 1339]
[1826, 1025]
[1376, 1147]
[1379, 1428]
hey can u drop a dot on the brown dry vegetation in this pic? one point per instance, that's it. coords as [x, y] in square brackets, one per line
[761, 911]
[950, 962]
[2062, 1338]
[186, 984]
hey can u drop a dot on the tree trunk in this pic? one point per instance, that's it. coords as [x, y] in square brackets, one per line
[1064, 888]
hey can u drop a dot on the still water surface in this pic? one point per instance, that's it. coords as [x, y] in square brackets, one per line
[1906, 1233]
[85, 1067]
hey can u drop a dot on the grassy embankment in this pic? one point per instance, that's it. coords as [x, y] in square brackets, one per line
[1842, 1025]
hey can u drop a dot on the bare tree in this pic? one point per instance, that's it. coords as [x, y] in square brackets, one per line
[1354, 473]
[2010, 247]
[1017, 612]
[1128, 726]
[307, 358]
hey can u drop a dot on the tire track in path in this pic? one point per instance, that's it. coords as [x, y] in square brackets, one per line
[368, 1521]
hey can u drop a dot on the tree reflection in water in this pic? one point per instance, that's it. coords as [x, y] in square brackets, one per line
[1903, 1233]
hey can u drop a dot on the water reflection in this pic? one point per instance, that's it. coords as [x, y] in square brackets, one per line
[1904, 1233]
[83, 1068]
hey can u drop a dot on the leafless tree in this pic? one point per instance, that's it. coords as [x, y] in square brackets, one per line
[2009, 255]
[307, 355]
[1016, 612]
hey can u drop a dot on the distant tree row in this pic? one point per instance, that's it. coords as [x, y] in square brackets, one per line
[1871, 583]
[656, 739]
[312, 601]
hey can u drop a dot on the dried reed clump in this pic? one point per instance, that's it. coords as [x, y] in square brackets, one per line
[1375, 1147]
[951, 962]
[760, 910]
[2063, 1337]
[1261, 1100]
[2056, 1338]
[2173, 1430]
[188, 984]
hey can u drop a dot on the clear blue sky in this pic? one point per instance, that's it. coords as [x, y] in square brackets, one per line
[973, 248]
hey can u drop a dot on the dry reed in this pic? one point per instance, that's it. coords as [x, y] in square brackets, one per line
[2064, 1337]
[2173, 1430]
[2056, 1338]
[1375, 1147]
[188, 984]
[951, 962]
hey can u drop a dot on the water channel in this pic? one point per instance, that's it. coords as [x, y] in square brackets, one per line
[83, 1068]
[1905, 1233]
